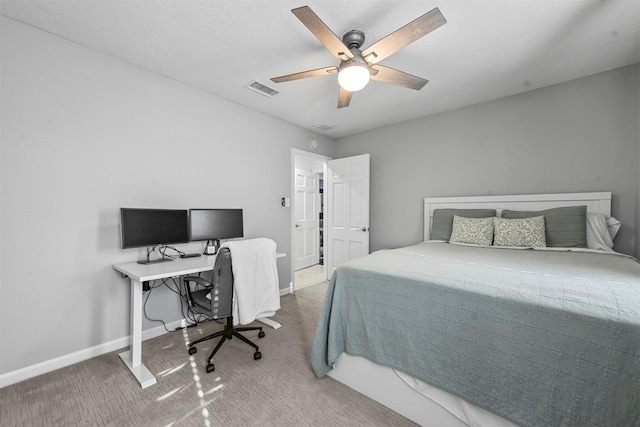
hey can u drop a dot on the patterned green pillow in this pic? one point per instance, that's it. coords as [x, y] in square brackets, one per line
[442, 221]
[477, 231]
[525, 232]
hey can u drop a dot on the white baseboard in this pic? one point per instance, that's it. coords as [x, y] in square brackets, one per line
[287, 291]
[87, 353]
[79, 356]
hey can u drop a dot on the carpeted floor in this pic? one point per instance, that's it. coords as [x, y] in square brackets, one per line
[278, 390]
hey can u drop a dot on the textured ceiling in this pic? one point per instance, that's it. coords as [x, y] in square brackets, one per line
[488, 49]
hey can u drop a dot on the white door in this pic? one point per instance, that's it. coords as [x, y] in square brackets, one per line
[306, 226]
[347, 188]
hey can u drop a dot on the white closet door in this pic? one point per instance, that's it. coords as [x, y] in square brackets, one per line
[307, 222]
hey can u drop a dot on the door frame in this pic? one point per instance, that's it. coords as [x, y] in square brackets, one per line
[292, 217]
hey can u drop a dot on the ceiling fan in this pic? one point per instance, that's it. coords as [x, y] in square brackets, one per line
[358, 66]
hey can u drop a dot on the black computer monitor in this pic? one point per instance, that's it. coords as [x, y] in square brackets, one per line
[151, 227]
[215, 224]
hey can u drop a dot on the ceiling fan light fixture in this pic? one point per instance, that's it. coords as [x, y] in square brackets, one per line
[353, 76]
[357, 66]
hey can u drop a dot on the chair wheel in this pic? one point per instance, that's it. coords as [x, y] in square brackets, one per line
[257, 355]
[193, 350]
[261, 334]
[210, 368]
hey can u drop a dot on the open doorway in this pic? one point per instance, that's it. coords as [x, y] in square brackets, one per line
[307, 218]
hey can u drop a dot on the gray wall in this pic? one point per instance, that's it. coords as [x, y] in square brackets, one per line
[576, 136]
[83, 135]
[638, 181]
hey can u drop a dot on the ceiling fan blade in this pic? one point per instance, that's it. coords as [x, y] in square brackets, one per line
[404, 36]
[305, 74]
[322, 32]
[399, 78]
[344, 98]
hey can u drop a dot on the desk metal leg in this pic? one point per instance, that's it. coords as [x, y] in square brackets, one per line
[133, 357]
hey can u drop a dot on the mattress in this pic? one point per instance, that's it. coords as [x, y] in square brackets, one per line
[536, 337]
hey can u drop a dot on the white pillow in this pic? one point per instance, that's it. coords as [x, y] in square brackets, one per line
[601, 230]
[520, 232]
[614, 226]
[477, 231]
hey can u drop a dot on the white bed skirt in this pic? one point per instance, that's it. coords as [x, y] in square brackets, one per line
[412, 398]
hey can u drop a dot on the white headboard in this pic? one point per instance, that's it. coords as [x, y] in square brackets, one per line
[596, 202]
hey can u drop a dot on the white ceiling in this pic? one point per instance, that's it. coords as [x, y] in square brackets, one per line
[488, 49]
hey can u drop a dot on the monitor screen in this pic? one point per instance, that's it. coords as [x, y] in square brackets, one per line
[211, 224]
[150, 227]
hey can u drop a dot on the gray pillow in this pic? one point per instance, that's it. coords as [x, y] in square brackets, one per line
[565, 227]
[442, 221]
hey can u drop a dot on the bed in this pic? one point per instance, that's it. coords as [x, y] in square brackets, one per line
[458, 334]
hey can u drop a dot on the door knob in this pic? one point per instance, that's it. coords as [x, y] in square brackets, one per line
[298, 225]
[364, 229]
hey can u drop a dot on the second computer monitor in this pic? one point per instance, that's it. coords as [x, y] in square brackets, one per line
[213, 224]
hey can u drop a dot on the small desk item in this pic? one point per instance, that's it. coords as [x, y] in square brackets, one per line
[190, 255]
[139, 273]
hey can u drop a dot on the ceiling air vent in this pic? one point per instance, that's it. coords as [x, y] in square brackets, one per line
[322, 127]
[262, 89]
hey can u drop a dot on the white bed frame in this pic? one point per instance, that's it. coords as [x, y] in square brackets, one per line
[420, 402]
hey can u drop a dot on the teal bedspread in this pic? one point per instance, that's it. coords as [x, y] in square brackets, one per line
[541, 338]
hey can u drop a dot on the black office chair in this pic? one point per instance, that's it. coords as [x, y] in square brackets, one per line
[218, 306]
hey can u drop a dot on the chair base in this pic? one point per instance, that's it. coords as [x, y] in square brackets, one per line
[228, 332]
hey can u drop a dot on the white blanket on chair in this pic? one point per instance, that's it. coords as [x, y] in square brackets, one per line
[256, 288]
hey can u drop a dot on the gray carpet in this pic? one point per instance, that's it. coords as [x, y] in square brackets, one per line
[278, 390]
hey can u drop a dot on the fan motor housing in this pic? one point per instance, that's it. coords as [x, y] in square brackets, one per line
[353, 39]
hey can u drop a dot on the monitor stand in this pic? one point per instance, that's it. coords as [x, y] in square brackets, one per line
[154, 261]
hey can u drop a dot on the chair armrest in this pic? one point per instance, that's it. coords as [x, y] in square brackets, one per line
[187, 287]
[198, 280]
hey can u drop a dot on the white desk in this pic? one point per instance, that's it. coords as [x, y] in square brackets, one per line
[139, 273]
